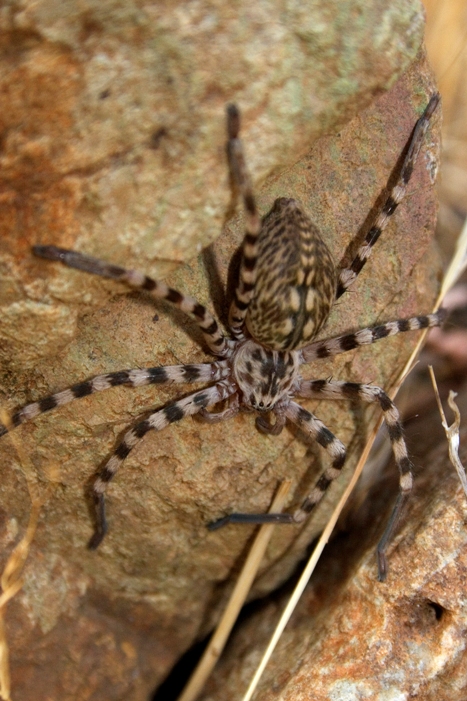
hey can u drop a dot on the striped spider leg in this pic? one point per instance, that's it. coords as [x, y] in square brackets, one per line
[287, 285]
[305, 305]
[215, 372]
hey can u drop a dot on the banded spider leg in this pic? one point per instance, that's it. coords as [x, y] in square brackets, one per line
[328, 389]
[216, 372]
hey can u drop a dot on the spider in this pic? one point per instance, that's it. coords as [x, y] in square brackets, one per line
[287, 284]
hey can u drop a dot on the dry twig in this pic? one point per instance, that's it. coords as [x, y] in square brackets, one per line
[236, 601]
[452, 431]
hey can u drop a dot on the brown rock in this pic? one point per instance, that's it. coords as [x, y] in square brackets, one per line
[352, 637]
[158, 580]
[112, 124]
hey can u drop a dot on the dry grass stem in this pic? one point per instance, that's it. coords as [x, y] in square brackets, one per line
[11, 580]
[452, 431]
[235, 603]
[456, 267]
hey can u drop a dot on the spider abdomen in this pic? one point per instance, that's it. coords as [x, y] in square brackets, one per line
[295, 279]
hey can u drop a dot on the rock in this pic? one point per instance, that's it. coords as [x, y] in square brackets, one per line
[352, 637]
[159, 579]
[113, 129]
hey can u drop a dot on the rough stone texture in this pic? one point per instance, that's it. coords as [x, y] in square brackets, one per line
[353, 638]
[111, 624]
[112, 127]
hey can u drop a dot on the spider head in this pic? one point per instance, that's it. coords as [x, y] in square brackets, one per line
[264, 376]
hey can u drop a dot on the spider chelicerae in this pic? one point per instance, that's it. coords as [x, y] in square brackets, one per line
[287, 284]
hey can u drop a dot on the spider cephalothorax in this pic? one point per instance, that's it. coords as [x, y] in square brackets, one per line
[263, 376]
[287, 285]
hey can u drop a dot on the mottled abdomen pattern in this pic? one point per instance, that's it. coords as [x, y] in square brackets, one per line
[295, 279]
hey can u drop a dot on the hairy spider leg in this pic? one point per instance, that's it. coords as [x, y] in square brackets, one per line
[241, 182]
[347, 276]
[170, 374]
[328, 389]
[175, 411]
[317, 431]
[371, 334]
[215, 339]
[354, 391]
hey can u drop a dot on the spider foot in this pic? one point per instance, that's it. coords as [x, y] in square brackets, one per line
[388, 534]
[251, 519]
[100, 529]
[80, 261]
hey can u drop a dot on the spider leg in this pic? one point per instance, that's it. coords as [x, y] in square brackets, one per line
[341, 344]
[316, 430]
[241, 182]
[322, 435]
[332, 389]
[348, 275]
[171, 374]
[207, 323]
[175, 411]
